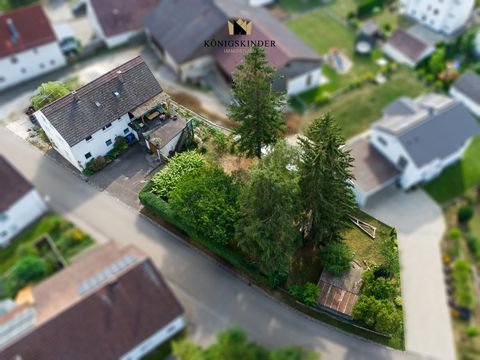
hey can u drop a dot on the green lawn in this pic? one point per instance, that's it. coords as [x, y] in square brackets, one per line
[68, 239]
[458, 178]
[299, 5]
[357, 109]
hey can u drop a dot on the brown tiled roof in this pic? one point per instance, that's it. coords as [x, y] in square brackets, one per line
[12, 185]
[104, 323]
[410, 46]
[370, 168]
[33, 28]
[76, 115]
[119, 16]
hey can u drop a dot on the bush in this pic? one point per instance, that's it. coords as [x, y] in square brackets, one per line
[306, 294]
[179, 166]
[369, 7]
[380, 288]
[463, 283]
[95, 165]
[336, 258]
[473, 243]
[119, 147]
[464, 214]
[454, 233]
[380, 315]
[28, 269]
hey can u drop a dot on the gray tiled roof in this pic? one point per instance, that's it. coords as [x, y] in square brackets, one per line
[469, 85]
[12, 185]
[440, 135]
[76, 115]
[181, 26]
[409, 45]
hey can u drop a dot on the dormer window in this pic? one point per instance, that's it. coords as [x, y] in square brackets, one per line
[107, 126]
[116, 94]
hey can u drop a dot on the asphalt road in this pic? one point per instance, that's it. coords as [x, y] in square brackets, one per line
[213, 298]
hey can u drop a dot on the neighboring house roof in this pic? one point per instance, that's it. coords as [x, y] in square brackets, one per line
[128, 302]
[403, 106]
[410, 46]
[439, 128]
[13, 185]
[77, 115]
[469, 85]
[371, 170]
[119, 16]
[180, 27]
[23, 29]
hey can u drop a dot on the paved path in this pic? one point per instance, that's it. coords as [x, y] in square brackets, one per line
[420, 226]
[214, 299]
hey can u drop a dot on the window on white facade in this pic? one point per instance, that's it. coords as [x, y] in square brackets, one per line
[402, 162]
[308, 81]
[2, 79]
[382, 141]
[42, 66]
[52, 62]
[13, 60]
[107, 126]
[35, 50]
[23, 70]
[3, 217]
[3, 234]
[108, 142]
[126, 131]
[88, 138]
[88, 155]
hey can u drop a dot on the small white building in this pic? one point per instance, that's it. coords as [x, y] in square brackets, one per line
[28, 46]
[412, 143]
[20, 203]
[445, 16]
[406, 48]
[117, 22]
[84, 124]
[466, 89]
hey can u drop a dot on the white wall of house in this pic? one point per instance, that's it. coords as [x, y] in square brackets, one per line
[260, 2]
[121, 39]
[170, 146]
[469, 103]
[196, 68]
[97, 145]
[57, 141]
[156, 339]
[445, 16]
[21, 214]
[399, 57]
[31, 63]
[304, 82]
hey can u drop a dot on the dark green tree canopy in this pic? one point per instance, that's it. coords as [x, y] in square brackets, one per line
[326, 180]
[256, 106]
[270, 209]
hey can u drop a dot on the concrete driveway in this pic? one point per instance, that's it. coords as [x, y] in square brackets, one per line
[420, 226]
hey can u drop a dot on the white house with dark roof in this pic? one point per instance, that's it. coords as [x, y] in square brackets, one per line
[466, 89]
[84, 124]
[28, 46]
[445, 16]
[414, 141]
[186, 37]
[20, 203]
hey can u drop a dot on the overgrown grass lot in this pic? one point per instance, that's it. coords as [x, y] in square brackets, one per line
[68, 239]
[357, 109]
[458, 178]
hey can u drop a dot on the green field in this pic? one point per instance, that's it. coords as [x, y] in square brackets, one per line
[357, 109]
[458, 178]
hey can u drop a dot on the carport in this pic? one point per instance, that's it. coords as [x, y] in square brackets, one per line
[372, 171]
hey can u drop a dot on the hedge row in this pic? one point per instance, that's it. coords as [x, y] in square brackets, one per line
[161, 208]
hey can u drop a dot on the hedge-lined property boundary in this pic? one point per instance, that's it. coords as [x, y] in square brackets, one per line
[231, 260]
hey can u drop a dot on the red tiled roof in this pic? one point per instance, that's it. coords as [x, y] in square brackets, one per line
[33, 27]
[119, 16]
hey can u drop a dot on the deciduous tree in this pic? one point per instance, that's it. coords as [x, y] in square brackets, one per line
[47, 93]
[256, 106]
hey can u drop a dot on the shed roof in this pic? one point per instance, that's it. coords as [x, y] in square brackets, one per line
[410, 46]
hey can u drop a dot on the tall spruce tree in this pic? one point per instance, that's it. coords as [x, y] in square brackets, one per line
[270, 209]
[325, 180]
[256, 106]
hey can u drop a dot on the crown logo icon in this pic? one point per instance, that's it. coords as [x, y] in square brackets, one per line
[240, 27]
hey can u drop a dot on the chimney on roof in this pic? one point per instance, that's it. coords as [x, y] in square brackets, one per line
[120, 75]
[75, 97]
[14, 35]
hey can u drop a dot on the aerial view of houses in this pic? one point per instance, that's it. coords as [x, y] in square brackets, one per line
[239, 179]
